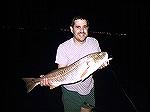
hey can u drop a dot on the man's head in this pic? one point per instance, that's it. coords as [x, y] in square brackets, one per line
[79, 27]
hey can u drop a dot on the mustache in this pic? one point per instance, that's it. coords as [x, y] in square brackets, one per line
[81, 33]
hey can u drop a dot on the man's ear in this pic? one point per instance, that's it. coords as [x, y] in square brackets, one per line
[71, 29]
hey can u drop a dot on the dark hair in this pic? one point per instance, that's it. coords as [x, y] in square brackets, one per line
[79, 17]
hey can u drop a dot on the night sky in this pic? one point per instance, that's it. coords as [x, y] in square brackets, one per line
[36, 28]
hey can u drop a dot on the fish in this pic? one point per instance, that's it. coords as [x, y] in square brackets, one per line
[73, 73]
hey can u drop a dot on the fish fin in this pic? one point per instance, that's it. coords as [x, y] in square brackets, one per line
[83, 74]
[30, 83]
[54, 85]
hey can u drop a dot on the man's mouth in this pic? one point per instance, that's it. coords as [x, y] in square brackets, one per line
[81, 34]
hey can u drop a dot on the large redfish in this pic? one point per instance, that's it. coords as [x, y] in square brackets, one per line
[78, 71]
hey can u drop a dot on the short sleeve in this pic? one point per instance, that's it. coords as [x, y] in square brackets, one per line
[61, 57]
[97, 45]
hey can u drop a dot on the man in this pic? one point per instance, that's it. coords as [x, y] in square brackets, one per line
[79, 95]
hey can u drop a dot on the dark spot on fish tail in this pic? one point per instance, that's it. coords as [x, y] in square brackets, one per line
[33, 81]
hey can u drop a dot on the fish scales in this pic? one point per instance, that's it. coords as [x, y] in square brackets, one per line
[61, 74]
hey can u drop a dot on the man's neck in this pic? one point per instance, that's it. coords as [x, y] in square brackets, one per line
[78, 43]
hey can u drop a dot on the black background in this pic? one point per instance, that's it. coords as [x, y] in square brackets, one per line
[35, 29]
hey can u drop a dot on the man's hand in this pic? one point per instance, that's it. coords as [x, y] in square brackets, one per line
[44, 81]
[105, 63]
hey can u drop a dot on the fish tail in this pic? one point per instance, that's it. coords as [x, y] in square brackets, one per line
[30, 83]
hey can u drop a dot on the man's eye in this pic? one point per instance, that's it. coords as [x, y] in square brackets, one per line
[77, 26]
[85, 27]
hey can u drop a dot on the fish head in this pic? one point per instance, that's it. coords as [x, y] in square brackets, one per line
[94, 62]
[97, 59]
[101, 59]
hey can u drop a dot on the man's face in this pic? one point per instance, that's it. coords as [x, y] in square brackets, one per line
[80, 30]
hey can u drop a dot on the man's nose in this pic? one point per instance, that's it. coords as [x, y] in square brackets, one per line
[81, 29]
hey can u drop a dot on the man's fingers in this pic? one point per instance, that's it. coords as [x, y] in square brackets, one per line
[44, 82]
[104, 64]
[41, 76]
